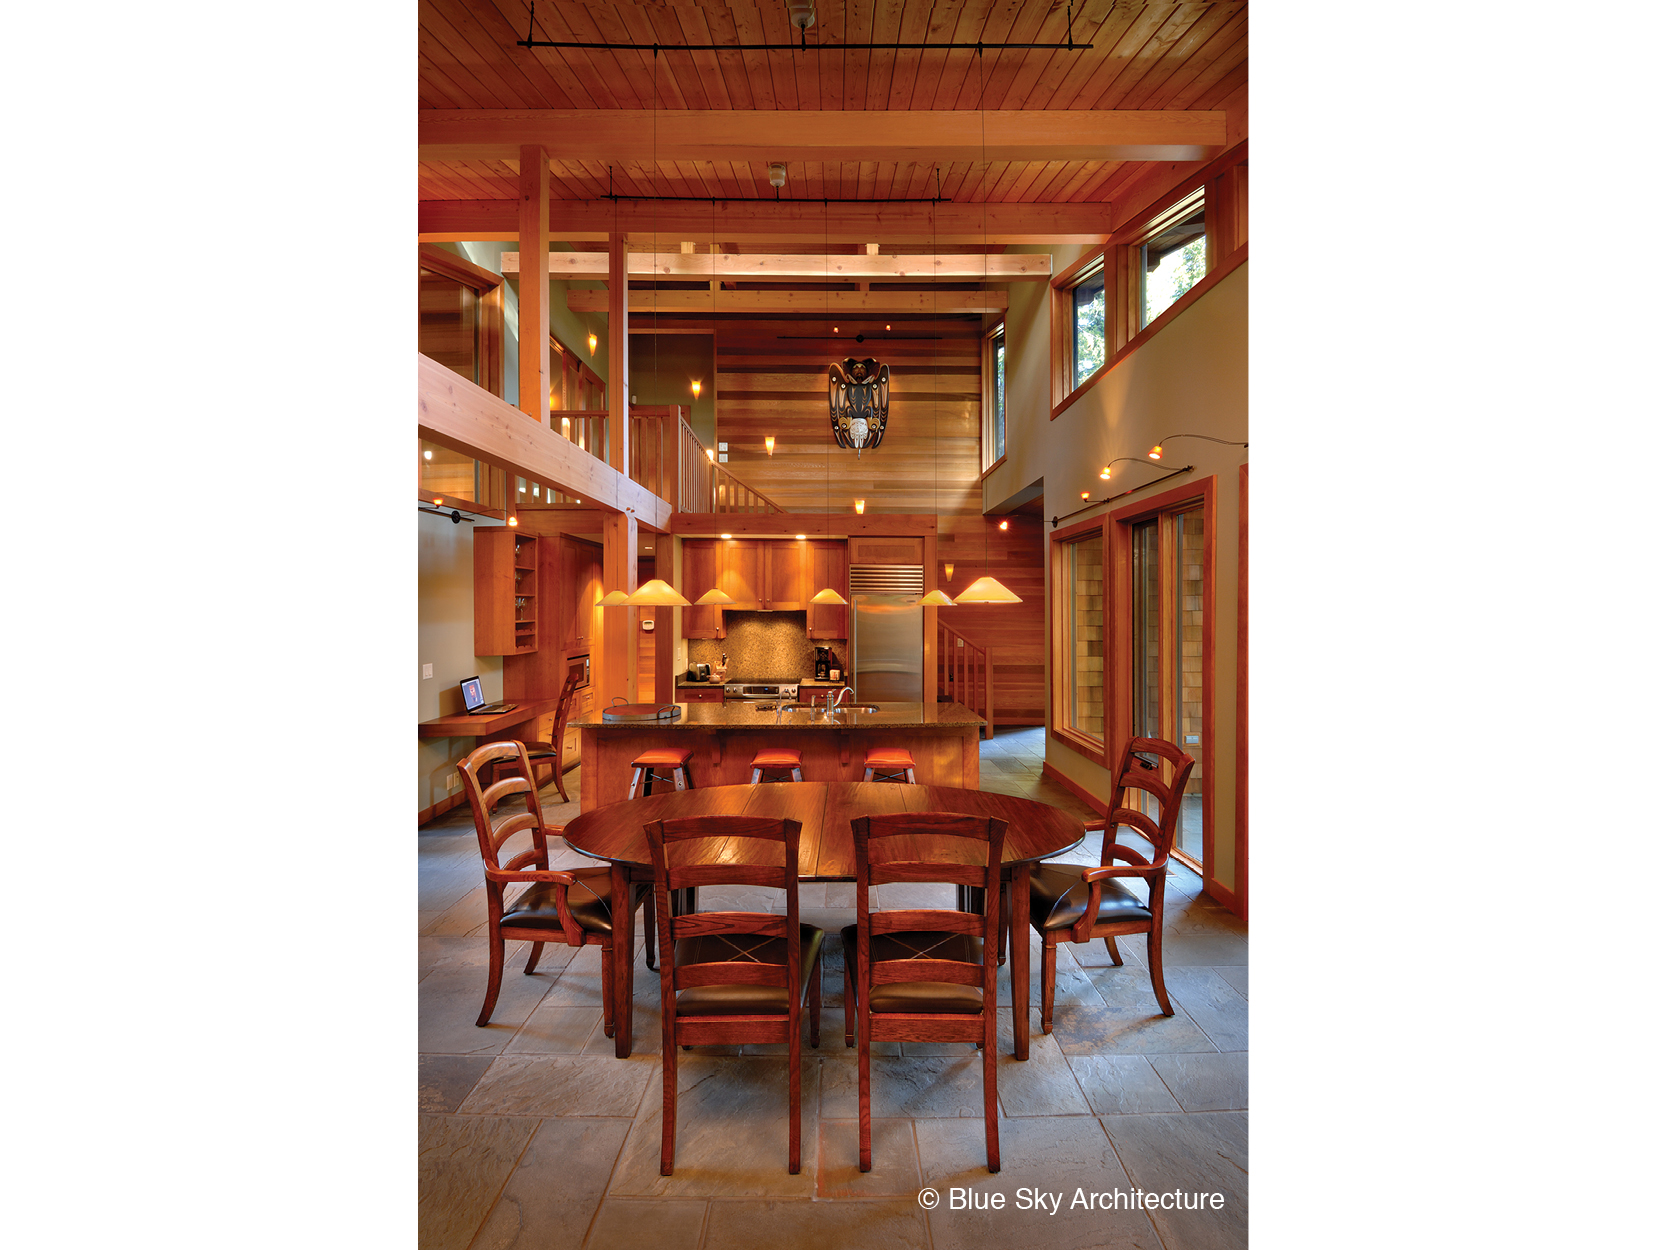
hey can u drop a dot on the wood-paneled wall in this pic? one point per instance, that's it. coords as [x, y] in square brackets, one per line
[772, 379]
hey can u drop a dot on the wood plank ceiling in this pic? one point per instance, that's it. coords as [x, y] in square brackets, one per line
[1157, 56]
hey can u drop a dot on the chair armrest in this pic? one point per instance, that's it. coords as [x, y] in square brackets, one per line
[554, 875]
[1095, 875]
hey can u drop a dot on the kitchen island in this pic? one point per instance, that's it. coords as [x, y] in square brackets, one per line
[942, 737]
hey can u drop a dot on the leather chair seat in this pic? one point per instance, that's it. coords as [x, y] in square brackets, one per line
[922, 997]
[1059, 897]
[758, 1000]
[776, 757]
[660, 756]
[588, 898]
[889, 758]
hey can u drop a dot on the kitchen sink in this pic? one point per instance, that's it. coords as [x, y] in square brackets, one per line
[857, 707]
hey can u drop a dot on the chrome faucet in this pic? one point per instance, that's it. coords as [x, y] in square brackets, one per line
[839, 697]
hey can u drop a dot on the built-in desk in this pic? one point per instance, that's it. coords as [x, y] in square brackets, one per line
[500, 725]
[942, 737]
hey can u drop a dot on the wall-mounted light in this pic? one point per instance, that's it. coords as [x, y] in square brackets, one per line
[769, 444]
[1084, 495]
[949, 572]
[592, 340]
[1157, 450]
[861, 504]
[1002, 526]
[711, 455]
[513, 520]
[427, 454]
[694, 385]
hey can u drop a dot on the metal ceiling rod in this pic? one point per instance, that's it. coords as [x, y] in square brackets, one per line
[1096, 503]
[732, 199]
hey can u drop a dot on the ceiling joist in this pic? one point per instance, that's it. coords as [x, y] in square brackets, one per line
[728, 267]
[941, 136]
[773, 222]
[776, 303]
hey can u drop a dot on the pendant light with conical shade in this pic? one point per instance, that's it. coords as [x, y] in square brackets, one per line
[986, 589]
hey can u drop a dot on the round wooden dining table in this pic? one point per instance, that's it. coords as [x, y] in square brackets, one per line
[824, 810]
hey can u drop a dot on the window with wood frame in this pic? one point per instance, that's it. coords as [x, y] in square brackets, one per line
[1168, 255]
[1081, 614]
[995, 396]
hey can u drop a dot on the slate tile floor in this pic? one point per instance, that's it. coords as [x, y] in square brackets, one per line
[531, 1134]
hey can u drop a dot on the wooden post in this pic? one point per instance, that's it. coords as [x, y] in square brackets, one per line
[665, 620]
[618, 676]
[534, 324]
[619, 352]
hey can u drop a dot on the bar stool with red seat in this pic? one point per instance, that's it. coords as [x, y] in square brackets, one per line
[894, 762]
[643, 774]
[776, 760]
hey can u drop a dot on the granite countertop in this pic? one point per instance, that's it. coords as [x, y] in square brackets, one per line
[683, 684]
[736, 715]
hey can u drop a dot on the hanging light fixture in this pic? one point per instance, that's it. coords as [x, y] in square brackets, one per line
[1157, 451]
[613, 599]
[986, 589]
[713, 597]
[656, 594]
[827, 595]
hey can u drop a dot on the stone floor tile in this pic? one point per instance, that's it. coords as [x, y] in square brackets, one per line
[1040, 1085]
[660, 1223]
[1238, 977]
[1214, 1005]
[896, 1169]
[1206, 1082]
[929, 1087]
[467, 914]
[1187, 949]
[449, 1000]
[731, 1132]
[561, 1085]
[1054, 1154]
[1122, 1085]
[443, 1081]
[556, 1030]
[551, 1197]
[1094, 955]
[1115, 1029]
[883, 1224]
[462, 1162]
[1203, 1152]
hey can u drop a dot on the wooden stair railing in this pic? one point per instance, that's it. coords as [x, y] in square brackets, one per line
[964, 675]
[670, 462]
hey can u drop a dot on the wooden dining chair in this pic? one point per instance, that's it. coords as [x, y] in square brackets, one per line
[560, 905]
[550, 752]
[732, 976]
[1070, 903]
[924, 974]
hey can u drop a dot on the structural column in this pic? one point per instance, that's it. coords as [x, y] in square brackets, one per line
[619, 354]
[533, 323]
[618, 666]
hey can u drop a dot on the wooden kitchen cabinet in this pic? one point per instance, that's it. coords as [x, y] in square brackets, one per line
[506, 592]
[783, 566]
[828, 567]
[694, 694]
[700, 574]
[581, 587]
[741, 572]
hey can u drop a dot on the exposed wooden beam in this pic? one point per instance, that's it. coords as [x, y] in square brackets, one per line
[729, 267]
[757, 303]
[772, 222]
[816, 135]
[455, 413]
[533, 330]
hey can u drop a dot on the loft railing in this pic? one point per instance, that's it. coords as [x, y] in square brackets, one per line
[964, 675]
[666, 458]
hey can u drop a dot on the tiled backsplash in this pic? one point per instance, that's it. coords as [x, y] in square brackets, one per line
[763, 646]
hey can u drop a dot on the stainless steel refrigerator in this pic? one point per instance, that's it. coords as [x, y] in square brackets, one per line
[887, 645]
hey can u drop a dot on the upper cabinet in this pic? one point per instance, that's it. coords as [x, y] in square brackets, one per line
[741, 572]
[785, 574]
[700, 574]
[581, 587]
[828, 567]
[506, 592]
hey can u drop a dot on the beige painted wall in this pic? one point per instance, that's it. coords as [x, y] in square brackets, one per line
[1191, 377]
[446, 639]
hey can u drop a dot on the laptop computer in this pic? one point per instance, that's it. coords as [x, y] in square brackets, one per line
[475, 704]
